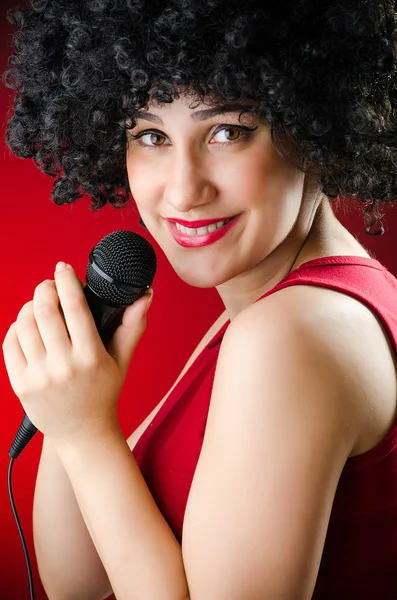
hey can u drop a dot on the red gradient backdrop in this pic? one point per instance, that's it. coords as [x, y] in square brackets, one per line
[35, 234]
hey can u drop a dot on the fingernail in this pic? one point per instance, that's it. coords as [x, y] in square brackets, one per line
[150, 294]
[60, 266]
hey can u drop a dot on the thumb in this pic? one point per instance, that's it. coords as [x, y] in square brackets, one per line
[126, 337]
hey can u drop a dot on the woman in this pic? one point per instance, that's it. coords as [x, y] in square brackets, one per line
[276, 448]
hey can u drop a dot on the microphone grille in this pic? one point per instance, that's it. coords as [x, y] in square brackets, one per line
[127, 257]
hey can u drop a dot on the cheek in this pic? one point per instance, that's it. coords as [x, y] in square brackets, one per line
[271, 189]
[263, 177]
[141, 181]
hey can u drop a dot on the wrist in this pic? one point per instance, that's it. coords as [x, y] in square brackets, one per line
[89, 442]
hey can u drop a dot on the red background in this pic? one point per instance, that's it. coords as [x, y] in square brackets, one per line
[35, 234]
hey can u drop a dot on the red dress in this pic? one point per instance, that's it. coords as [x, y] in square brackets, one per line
[359, 560]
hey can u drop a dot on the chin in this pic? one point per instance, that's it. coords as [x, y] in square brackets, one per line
[200, 278]
[197, 281]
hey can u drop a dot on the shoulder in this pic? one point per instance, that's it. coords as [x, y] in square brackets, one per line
[306, 306]
[320, 330]
[311, 318]
[309, 336]
[304, 317]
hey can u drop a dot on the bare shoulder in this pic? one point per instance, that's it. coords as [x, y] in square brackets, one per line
[355, 339]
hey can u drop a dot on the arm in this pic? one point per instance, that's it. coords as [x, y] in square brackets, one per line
[69, 385]
[68, 562]
[280, 428]
[140, 553]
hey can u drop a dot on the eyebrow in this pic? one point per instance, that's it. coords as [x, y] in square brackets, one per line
[201, 115]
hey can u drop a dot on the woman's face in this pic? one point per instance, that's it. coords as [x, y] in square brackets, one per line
[192, 166]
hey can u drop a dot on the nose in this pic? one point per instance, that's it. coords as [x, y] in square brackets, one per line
[188, 184]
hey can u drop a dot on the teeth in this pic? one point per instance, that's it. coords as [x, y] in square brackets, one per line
[201, 230]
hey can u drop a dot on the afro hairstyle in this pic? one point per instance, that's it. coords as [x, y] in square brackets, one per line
[321, 73]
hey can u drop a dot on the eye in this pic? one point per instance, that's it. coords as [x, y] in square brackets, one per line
[156, 138]
[232, 133]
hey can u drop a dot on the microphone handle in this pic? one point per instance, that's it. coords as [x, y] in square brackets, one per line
[107, 319]
[24, 434]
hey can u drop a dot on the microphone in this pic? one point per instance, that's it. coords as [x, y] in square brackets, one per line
[120, 270]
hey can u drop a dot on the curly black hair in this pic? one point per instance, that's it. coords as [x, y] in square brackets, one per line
[321, 73]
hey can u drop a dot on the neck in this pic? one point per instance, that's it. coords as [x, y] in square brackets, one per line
[314, 225]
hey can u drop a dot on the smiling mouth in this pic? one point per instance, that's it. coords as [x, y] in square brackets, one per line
[202, 230]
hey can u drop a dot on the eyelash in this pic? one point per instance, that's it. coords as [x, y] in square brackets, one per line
[245, 133]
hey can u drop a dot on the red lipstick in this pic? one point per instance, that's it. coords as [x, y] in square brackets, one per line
[204, 239]
[197, 224]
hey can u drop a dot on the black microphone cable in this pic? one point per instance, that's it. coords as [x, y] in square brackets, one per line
[121, 269]
[14, 510]
[25, 433]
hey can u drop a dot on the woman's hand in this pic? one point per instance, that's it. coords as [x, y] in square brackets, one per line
[65, 378]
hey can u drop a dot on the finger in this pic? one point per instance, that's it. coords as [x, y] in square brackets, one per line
[14, 358]
[28, 335]
[50, 321]
[127, 336]
[79, 320]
